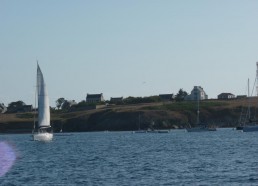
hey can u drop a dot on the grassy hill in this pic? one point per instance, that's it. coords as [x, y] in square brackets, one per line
[167, 115]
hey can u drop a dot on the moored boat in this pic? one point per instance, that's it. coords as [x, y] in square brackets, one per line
[249, 124]
[200, 127]
[251, 127]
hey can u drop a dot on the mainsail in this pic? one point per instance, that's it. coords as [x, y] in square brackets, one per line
[43, 101]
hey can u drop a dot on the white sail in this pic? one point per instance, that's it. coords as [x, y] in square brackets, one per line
[43, 101]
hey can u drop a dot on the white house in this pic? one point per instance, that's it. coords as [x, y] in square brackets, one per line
[197, 93]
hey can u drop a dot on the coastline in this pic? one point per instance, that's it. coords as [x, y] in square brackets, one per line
[168, 115]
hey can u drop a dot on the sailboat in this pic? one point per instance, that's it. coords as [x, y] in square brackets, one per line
[242, 120]
[200, 127]
[42, 130]
[139, 129]
[252, 125]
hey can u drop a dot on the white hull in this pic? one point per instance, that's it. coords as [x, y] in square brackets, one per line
[140, 131]
[200, 129]
[253, 128]
[158, 131]
[43, 136]
[151, 131]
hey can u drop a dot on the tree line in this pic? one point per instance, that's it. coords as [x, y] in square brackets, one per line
[63, 104]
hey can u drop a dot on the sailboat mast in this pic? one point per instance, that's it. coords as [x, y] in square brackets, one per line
[198, 106]
[35, 102]
[139, 122]
[249, 111]
[34, 125]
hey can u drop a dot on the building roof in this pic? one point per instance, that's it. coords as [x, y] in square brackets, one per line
[117, 98]
[226, 94]
[94, 96]
[198, 87]
[165, 94]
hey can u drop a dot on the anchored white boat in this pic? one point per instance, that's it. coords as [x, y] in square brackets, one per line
[139, 129]
[42, 129]
[250, 125]
[200, 127]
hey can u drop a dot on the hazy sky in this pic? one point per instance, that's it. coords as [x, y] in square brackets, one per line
[126, 47]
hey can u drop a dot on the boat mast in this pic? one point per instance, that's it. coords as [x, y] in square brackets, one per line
[198, 106]
[139, 122]
[35, 102]
[34, 124]
[249, 111]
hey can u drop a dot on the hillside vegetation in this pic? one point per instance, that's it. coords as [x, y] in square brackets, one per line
[162, 115]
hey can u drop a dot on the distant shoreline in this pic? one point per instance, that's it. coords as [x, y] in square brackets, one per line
[164, 115]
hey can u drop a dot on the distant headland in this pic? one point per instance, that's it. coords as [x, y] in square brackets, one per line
[133, 114]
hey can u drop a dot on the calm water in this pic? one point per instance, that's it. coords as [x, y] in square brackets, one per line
[225, 157]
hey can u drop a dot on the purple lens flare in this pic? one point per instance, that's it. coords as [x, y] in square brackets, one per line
[7, 157]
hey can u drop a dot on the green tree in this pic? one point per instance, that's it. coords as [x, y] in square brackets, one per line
[136, 100]
[180, 96]
[65, 105]
[16, 104]
[59, 102]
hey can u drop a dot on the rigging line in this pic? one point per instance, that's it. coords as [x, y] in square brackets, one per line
[252, 94]
[254, 86]
[34, 118]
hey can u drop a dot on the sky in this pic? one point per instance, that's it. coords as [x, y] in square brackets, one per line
[126, 47]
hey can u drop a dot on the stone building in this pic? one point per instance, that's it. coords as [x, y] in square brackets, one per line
[167, 97]
[226, 96]
[116, 100]
[94, 98]
[197, 94]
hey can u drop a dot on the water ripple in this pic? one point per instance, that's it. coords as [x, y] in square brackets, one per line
[224, 157]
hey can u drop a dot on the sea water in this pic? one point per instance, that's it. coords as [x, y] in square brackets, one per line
[224, 157]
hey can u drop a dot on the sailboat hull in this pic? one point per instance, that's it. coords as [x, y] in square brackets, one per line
[43, 136]
[200, 129]
[239, 128]
[140, 131]
[250, 128]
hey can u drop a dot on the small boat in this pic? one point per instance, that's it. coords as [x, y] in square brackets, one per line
[163, 131]
[139, 126]
[250, 128]
[239, 128]
[249, 125]
[242, 121]
[42, 130]
[200, 127]
[140, 131]
[157, 131]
